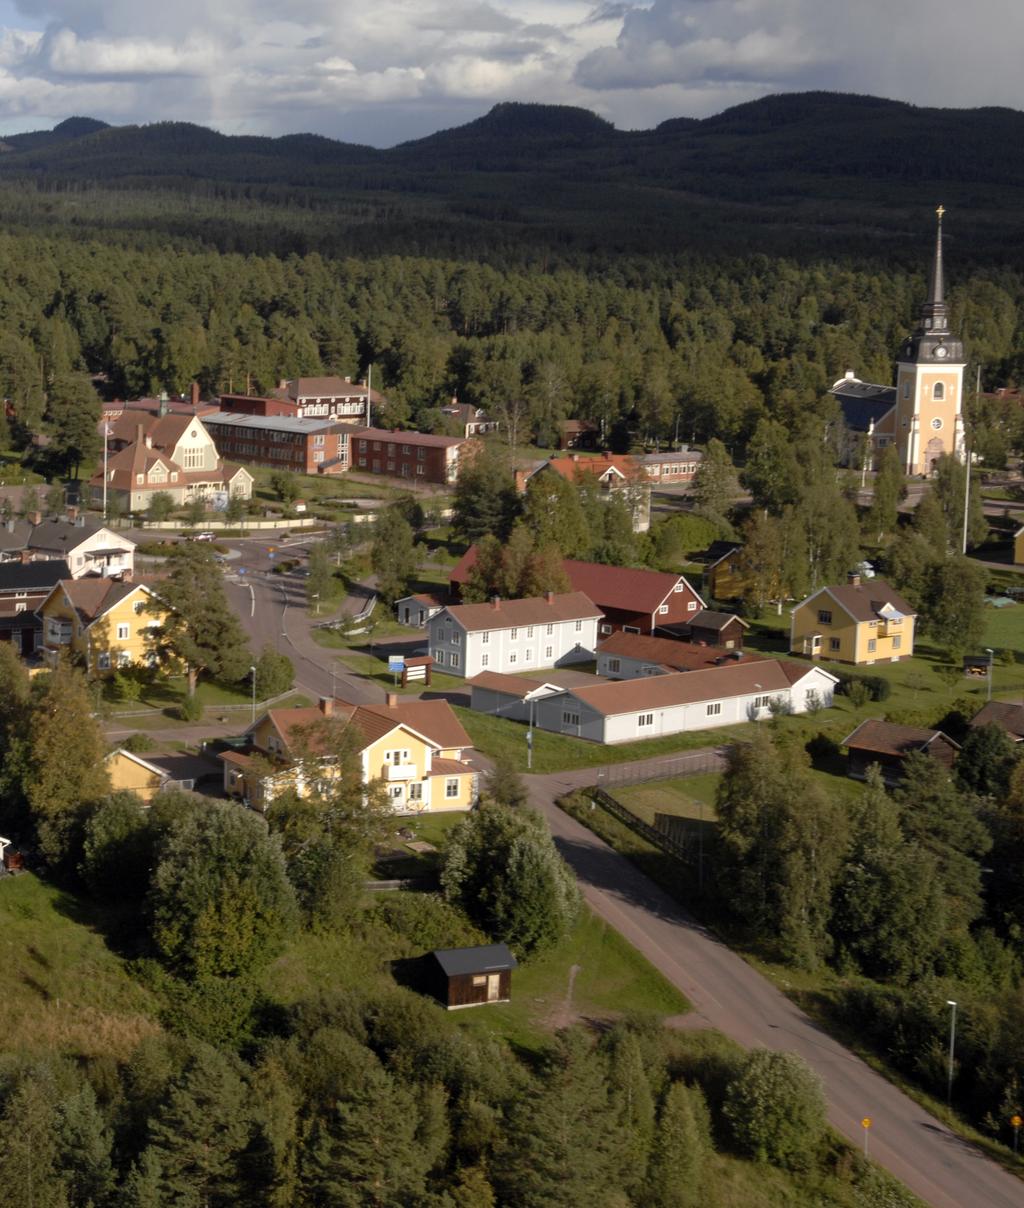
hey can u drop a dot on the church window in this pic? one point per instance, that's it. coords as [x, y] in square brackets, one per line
[906, 389]
[938, 391]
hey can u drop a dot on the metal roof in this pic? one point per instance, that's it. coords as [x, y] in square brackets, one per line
[486, 958]
[274, 423]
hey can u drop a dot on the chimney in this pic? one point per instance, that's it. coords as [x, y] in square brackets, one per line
[327, 705]
[392, 700]
[549, 596]
[10, 525]
[348, 379]
[853, 579]
[72, 513]
[139, 434]
[162, 401]
[195, 394]
[496, 602]
[34, 518]
[849, 375]
[26, 555]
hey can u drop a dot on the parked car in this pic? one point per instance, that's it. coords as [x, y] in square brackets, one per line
[203, 537]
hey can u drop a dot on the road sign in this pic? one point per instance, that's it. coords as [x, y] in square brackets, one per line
[396, 662]
[242, 570]
[866, 1122]
[271, 557]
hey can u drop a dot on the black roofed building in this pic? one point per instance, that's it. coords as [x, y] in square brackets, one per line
[23, 588]
[710, 628]
[473, 977]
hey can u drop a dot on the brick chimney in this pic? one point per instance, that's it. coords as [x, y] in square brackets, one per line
[392, 700]
[853, 579]
[26, 555]
[496, 602]
[34, 518]
[72, 513]
[549, 596]
[326, 705]
[194, 394]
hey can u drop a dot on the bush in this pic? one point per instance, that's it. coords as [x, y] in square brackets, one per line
[821, 748]
[775, 1109]
[878, 688]
[275, 673]
[190, 709]
[426, 921]
[138, 743]
[125, 686]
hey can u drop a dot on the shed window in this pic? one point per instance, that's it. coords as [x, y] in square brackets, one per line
[579, 626]
[485, 637]
[614, 665]
[479, 980]
[570, 719]
[484, 660]
[715, 709]
[645, 719]
[692, 606]
[833, 643]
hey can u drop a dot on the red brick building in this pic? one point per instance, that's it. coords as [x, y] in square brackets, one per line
[286, 442]
[413, 455]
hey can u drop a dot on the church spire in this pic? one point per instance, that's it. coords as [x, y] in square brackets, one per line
[934, 317]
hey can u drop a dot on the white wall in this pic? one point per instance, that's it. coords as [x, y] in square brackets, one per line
[532, 647]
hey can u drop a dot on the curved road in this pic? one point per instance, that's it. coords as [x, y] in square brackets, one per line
[732, 997]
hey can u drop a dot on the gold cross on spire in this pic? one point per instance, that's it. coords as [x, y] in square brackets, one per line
[940, 211]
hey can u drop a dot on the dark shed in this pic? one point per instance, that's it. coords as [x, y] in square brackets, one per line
[887, 745]
[471, 977]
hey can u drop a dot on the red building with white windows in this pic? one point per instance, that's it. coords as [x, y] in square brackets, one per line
[417, 456]
[285, 442]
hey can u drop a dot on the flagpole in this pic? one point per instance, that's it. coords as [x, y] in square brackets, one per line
[106, 434]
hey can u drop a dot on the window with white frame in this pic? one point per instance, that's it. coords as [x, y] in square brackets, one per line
[663, 610]
[139, 606]
[715, 709]
[569, 718]
[451, 787]
[528, 656]
[548, 652]
[397, 756]
[605, 628]
[631, 629]
[453, 659]
[550, 630]
[103, 660]
[485, 660]
[678, 587]
[485, 638]
[691, 606]
[456, 638]
[123, 632]
[513, 635]
[416, 791]
[896, 641]
[396, 791]
[762, 702]
[579, 626]
[512, 658]
[645, 720]
[529, 631]
[824, 616]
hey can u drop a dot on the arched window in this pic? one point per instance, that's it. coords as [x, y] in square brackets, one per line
[938, 391]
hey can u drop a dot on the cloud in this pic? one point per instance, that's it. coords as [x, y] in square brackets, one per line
[395, 69]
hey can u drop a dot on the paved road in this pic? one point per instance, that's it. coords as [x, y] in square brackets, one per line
[732, 997]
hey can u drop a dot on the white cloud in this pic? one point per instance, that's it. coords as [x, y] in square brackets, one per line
[394, 69]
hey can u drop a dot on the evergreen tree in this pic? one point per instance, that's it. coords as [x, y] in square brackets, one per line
[771, 473]
[198, 1136]
[84, 1150]
[485, 498]
[504, 785]
[986, 761]
[553, 513]
[630, 1092]
[160, 506]
[143, 1185]
[949, 490]
[682, 1144]
[200, 628]
[563, 1141]
[487, 575]
[30, 1144]
[320, 576]
[952, 604]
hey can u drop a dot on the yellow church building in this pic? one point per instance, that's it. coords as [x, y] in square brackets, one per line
[922, 415]
[105, 622]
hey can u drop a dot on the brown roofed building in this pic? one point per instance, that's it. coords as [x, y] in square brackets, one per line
[630, 656]
[414, 456]
[1008, 717]
[886, 745]
[578, 434]
[611, 472]
[863, 621]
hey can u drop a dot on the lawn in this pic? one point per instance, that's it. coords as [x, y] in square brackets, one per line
[611, 979]
[426, 828]
[64, 990]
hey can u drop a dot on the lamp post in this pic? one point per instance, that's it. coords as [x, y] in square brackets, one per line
[529, 740]
[952, 1049]
[316, 606]
[991, 655]
[252, 672]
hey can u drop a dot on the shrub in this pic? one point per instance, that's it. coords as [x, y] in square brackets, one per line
[275, 673]
[858, 693]
[822, 748]
[139, 743]
[775, 1109]
[125, 686]
[427, 921]
[190, 709]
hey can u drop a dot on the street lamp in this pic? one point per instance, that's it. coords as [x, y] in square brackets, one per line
[952, 1048]
[252, 672]
[316, 596]
[529, 740]
[991, 655]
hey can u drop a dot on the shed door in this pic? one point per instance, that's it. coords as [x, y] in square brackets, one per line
[493, 986]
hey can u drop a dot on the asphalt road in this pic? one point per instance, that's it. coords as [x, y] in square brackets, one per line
[732, 997]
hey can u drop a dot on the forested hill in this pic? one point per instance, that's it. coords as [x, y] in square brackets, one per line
[800, 173]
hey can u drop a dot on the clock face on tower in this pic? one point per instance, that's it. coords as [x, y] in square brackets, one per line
[941, 351]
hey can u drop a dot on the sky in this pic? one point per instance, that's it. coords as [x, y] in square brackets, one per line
[383, 71]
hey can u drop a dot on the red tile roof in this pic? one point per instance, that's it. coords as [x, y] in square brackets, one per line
[434, 719]
[1006, 716]
[572, 468]
[623, 587]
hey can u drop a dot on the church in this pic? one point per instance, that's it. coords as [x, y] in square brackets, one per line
[922, 414]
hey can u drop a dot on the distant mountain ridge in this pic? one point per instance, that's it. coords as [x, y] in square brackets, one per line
[826, 163]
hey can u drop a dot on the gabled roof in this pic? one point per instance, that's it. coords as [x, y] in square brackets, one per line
[142, 763]
[520, 686]
[92, 598]
[486, 958]
[717, 551]
[404, 437]
[33, 576]
[678, 656]
[886, 738]
[863, 404]
[623, 587]
[693, 687]
[14, 534]
[708, 618]
[1008, 717]
[572, 467]
[64, 534]
[535, 610]
[865, 601]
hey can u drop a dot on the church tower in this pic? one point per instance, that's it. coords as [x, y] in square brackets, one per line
[929, 381]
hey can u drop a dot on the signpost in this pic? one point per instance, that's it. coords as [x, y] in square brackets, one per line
[866, 1125]
[1016, 1122]
[396, 665]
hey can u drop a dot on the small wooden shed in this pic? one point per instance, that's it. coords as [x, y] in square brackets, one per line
[473, 977]
[887, 745]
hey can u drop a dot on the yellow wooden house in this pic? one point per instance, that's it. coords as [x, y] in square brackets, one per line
[105, 622]
[132, 774]
[724, 577]
[416, 748]
[862, 621]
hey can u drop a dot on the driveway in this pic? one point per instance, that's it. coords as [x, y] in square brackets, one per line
[731, 996]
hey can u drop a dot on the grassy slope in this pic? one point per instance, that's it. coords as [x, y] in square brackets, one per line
[64, 989]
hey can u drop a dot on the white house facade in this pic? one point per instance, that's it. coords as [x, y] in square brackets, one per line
[510, 636]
